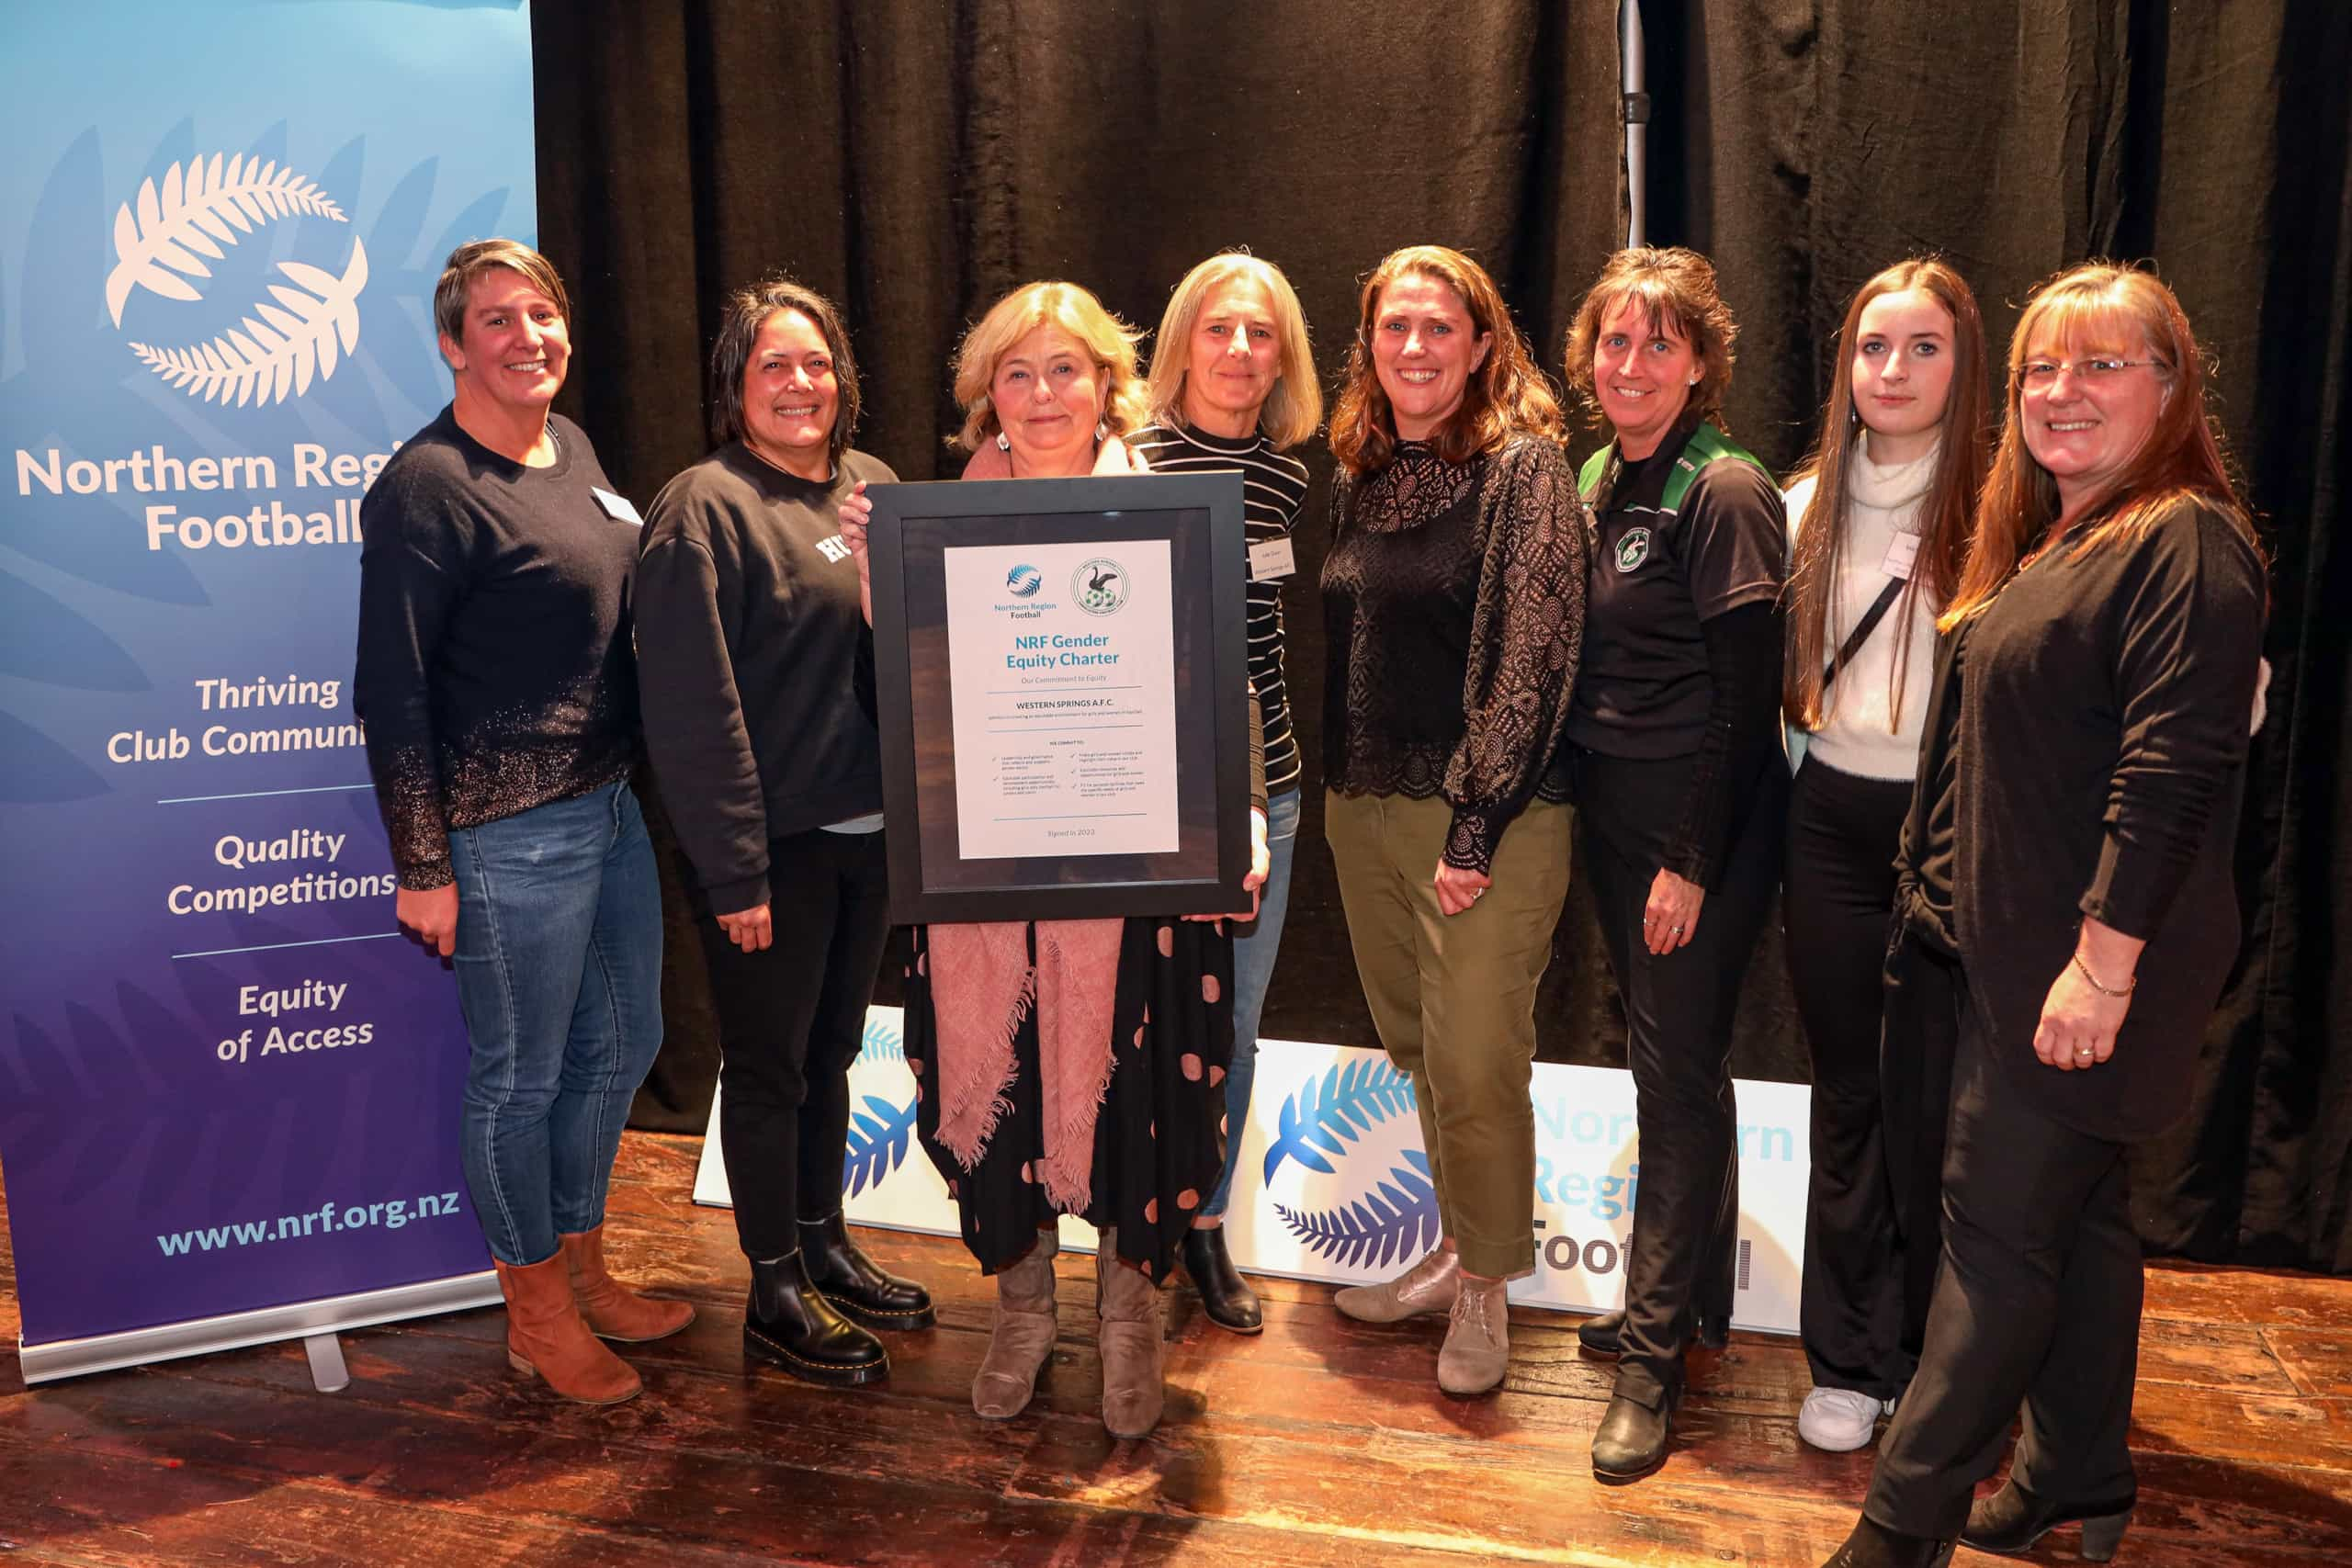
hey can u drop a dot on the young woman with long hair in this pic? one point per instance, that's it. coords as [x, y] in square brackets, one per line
[1878, 518]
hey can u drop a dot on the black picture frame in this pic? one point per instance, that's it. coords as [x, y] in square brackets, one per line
[1200, 515]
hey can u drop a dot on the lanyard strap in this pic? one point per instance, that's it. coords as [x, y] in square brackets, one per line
[1863, 630]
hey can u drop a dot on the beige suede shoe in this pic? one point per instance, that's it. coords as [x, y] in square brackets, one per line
[1428, 1287]
[1478, 1340]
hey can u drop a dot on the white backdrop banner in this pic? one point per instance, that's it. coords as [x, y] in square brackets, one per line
[1334, 1185]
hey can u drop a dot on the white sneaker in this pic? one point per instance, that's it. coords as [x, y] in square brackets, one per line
[1840, 1420]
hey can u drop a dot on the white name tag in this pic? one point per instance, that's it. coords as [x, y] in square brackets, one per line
[617, 506]
[1900, 556]
[1270, 559]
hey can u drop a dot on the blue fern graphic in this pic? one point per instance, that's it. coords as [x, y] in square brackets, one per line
[878, 1136]
[882, 1043]
[1396, 1221]
[1328, 1114]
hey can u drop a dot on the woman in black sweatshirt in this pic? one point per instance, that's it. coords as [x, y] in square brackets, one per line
[1675, 758]
[756, 668]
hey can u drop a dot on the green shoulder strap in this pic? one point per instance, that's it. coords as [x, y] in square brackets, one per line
[1589, 477]
[1707, 445]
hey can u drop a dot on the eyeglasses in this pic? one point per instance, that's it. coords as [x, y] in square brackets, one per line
[2041, 374]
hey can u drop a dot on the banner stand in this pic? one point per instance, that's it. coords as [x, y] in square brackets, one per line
[308, 1321]
[228, 1091]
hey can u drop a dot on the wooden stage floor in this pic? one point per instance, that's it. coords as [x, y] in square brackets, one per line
[1319, 1442]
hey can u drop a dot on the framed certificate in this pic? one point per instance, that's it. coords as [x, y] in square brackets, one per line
[1062, 686]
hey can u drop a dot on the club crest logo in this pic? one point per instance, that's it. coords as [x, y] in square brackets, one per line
[163, 239]
[1633, 550]
[1099, 586]
[1023, 581]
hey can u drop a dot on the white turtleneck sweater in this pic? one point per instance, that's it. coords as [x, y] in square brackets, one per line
[1861, 733]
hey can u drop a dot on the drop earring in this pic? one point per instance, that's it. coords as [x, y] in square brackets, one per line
[1003, 442]
[1101, 432]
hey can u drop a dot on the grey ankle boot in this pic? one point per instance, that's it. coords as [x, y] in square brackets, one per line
[1134, 1343]
[1021, 1336]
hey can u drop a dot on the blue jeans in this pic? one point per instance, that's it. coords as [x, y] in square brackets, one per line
[559, 967]
[1253, 966]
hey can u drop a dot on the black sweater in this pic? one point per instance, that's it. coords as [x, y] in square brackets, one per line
[494, 672]
[755, 663]
[2100, 743]
[1453, 601]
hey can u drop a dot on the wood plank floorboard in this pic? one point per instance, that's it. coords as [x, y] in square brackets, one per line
[1319, 1442]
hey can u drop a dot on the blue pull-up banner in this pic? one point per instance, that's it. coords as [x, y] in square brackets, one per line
[229, 1089]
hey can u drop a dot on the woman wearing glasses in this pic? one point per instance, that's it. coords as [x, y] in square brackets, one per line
[2078, 800]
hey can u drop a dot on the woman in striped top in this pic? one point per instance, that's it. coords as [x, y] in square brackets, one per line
[1233, 387]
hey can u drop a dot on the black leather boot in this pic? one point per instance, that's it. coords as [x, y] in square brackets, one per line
[2012, 1520]
[1605, 1335]
[1631, 1437]
[1872, 1545]
[856, 1284]
[1226, 1296]
[789, 1321]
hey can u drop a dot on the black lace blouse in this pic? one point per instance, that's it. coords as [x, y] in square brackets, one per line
[1453, 611]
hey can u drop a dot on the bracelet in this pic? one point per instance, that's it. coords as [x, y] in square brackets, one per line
[2129, 986]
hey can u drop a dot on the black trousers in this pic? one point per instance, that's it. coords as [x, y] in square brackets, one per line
[791, 1020]
[2038, 1301]
[1837, 907]
[1925, 998]
[1679, 1012]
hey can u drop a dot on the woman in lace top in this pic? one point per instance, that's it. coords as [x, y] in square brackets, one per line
[1453, 607]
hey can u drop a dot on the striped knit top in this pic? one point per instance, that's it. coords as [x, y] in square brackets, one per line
[1273, 487]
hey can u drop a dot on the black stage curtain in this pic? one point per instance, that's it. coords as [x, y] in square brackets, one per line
[916, 160]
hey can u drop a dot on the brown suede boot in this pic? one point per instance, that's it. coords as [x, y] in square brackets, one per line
[547, 1336]
[611, 1310]
[1134, 1381]
[1021, 1336]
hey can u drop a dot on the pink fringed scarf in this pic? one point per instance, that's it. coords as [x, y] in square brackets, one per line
[982, 985]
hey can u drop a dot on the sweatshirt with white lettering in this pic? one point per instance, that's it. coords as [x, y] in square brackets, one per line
[756, 664]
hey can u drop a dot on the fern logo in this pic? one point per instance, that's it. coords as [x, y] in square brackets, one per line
[1399, 1218]
[879, 1132]
[1330, 1113]
[162, 241]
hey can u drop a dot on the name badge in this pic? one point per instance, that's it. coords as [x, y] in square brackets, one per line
[1270, 559]
[616, 507]
[1900, 556]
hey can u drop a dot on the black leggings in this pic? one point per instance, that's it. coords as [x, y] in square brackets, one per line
[1678, 1013]
[791, 1020]
[1837, 902]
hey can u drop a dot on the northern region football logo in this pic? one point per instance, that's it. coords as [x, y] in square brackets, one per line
[1633, 550]
[1024, 580]
[163, 238]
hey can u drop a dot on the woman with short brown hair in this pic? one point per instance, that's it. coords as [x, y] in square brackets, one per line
[1673, 744]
